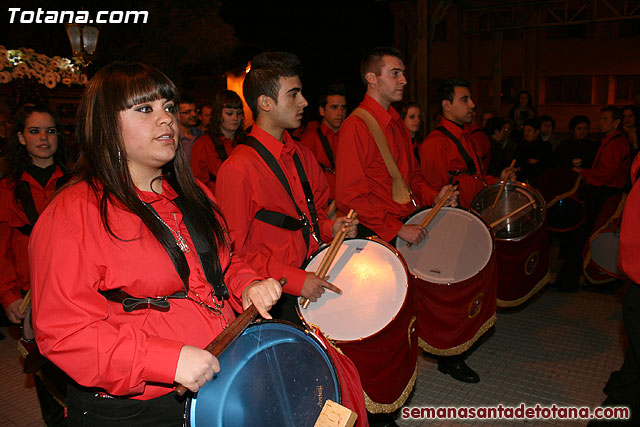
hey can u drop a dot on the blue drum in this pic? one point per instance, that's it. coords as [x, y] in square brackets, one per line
[274, 374]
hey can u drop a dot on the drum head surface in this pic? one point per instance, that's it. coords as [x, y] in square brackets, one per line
[514, 196]
[604, 252]
[273, 374]
[458, 246]
[373, 280]
[566, 215]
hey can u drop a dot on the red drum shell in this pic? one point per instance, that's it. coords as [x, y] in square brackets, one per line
[455, 275]
[523, 267]
[453, 316]
[386, 359]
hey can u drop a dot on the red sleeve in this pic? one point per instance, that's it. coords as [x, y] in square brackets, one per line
[352, 190]
[120, 358]
[9, 284]
[420, 187]
[609, 164]
[202, 162]
[234, 190]
[630, 236]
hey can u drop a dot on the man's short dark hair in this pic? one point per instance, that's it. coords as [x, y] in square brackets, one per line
[332, 89]
[616, 112]
[447, 89]
[576, 120]
[372, 60]
[264, 76]
[185, 99]
[534, 123]
[494, 124]
[547, 118]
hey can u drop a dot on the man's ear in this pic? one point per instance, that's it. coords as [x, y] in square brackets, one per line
[446, 105]
[265, 103]
[371, 78]
[321, 111]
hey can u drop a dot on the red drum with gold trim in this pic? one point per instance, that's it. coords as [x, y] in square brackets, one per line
[372, 322]
[600, 263]
[522, 241]
[455, 273]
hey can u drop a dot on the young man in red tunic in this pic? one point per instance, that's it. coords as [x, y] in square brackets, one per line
[363, 182]
[323, 140]
[441, 159]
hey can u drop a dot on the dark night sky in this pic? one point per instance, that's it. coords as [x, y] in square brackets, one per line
[329, 36]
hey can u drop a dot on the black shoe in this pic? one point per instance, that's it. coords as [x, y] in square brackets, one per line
[562, 288]
[605, 288]
[458, 370]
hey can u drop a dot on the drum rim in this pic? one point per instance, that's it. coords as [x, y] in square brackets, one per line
[517, 184]
[306, 331]
[566, 230]
[493, 242]
[375, 239]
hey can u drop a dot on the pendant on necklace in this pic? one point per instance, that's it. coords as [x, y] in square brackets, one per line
[182, 244]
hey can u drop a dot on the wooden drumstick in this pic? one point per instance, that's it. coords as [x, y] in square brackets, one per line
[504, 183]
[509, 215]
[25, 302]
[326, 262]
[435, 209]
[230, 333]
[332, 209]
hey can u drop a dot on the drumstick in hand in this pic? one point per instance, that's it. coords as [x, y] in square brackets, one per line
[504, 183]
[25, 302]
[434, 210]
[509, 215]
[326, 262]
[230, 333]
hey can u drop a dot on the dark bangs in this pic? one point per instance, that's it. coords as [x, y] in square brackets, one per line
[141, 84]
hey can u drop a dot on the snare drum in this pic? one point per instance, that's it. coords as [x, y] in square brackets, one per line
[522, 241]
[274, 373]
[455, 273]
[372, 321]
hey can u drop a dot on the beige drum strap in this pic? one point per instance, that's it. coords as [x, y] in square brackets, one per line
[401, 192]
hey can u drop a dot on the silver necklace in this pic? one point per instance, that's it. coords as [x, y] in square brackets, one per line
[182, 244]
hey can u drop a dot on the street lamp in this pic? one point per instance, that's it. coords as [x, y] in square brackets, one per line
[83, 39]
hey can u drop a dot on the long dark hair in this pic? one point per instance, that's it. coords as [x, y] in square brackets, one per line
[103, 159]
[224, 99]
[18, 157]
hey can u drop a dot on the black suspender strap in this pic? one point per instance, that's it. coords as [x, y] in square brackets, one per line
[23, 194]
[471, 166]
[222, 153]
[279, 219]
[327, 149]
[204, 253]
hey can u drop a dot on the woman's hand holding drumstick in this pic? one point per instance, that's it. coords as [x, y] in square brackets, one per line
[331, 253]
[196, 367]
[434, 211]
[504, 182]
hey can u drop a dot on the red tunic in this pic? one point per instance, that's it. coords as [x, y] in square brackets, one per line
[205, 160]
[95, 341]
[630, 229]
[312, 140]
[611, 165]
[14, 259]
[439, 156]
[247, 185]
[363, 182]
[482, 143]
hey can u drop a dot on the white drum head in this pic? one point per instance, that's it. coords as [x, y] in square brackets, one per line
[374, 284]
[457, 248]
[604, 252]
